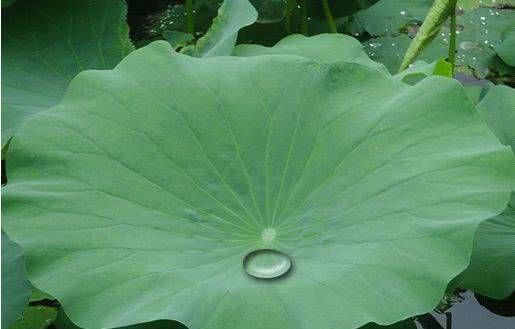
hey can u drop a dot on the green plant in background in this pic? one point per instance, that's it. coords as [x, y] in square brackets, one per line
[233, 189]
[45, 45]
[16, 288]
[479, 33]
[491, 271]
[438, 13]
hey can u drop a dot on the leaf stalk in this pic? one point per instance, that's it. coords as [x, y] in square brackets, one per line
[439, 12]
[452, 38]
[190, 17]
[329, 16]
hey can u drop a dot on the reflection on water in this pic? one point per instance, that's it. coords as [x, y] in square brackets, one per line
[470, 314]
[463, 311]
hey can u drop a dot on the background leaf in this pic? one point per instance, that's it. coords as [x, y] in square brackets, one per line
[506, 49]
[390, 16]
[221, 37]
[491, 267]
[15, 285]
[324, 48]
[480, 31]
[45, 43]
[36, 317]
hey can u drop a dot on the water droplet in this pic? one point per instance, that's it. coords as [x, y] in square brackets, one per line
[468, 45]
[266, 264]
[403, 12]
[483, 18]
[375, 44]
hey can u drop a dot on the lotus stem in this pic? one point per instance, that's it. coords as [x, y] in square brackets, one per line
[452, 38]
[290, 5]
[440, 10]
[190, 17]
[304, 19]
[329, 16]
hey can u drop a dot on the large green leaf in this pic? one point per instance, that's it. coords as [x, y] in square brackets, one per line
[140, 196]
[491, 266]
[45, 43]
[325, 48]
[15, 286]
[491, 270]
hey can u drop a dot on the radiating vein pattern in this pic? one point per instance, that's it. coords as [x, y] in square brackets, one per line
[140, 194]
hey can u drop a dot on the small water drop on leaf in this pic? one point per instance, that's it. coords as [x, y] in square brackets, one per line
[468, 45]
[267, 264]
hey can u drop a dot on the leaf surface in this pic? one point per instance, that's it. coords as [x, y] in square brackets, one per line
[36, 317]
[506, 49]
[45, 43]
[491, 270]
[140, 195]
[16, 288]
[389, 16]
[325, 48]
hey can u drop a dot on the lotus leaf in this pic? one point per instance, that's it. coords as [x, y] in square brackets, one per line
[420, 70]
[323, 48]
[221, 36]
[491, 267]
[141, 194]
[506, 49]
[15, 286]
[36, 317]
[45, 43]
[390, 16]
[178, 39]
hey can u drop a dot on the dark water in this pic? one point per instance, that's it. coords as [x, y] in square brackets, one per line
[477, 312]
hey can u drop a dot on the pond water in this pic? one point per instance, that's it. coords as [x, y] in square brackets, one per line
[469, 313]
